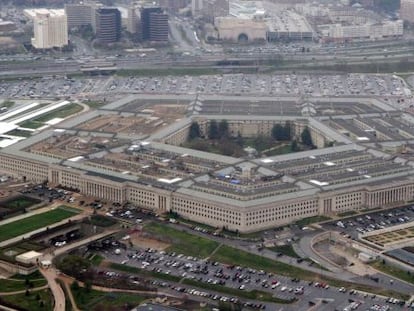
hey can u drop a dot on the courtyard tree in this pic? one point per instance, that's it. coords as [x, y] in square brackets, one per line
[213, 131]
[223, 129]
[281, 132]
[306, 137]
[194, 131]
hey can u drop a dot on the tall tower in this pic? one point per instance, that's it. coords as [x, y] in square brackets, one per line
[154, 24]
[50, 29]
[108, 25]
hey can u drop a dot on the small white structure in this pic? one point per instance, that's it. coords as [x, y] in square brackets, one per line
[30, 257]
[366, 258]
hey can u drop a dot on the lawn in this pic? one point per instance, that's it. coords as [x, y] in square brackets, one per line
[30, 124]
[182, 242]
[393, 271]
[142, 272]
[101, 221]
[96, 259]
[96, 300]
[20, 133]
[11, 285]
[311, 220]
[19, 202]
[285, 250]
[33, 302]
[62, 112]
[31, 223]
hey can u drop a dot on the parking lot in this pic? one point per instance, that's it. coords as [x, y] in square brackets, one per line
[353, 226]
[245, 279]
[243, 84]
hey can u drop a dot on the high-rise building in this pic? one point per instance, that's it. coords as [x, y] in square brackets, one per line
[173, 5]
[132, 21]
[108, 25]
[196, 7]
[407, 10]
[79, 14]
[154, 24]
[50, 29]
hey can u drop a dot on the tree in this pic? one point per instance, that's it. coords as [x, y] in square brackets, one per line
[294, 146]
[88, 286]
[74, 265]
[74, 286]
[223, 129]
[213, 132]
[280, 132]
[306, 137]
[194, 131]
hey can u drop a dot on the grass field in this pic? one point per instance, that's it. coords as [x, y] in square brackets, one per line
[311, 220]
[30, 124]
[285, 250]
[11, 285]
[393, 271]
[34, 222]
[19, 202]
[32, 302]
[96, 300]
[63, 112]
[142, 272]
[182, 242]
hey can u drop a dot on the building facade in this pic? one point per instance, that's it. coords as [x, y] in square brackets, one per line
[50, 29]
[79, 15]
[407, 10]
[108, 25]
[154, 24]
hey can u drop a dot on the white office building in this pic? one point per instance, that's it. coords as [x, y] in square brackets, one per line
[50, 29]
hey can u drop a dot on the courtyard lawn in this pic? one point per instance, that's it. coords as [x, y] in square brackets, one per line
[182, 242]
[31, 223]
[62, 112]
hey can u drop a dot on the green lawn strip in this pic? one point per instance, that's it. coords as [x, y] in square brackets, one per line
[96, 259]
[254, 294]
[69, 209]
[285, 250]
[101, 221]
[182, 242]
[9, 285]
[393, 271]
[89, 300]
[311, 220]
[232, 256]
[135, 270]
[62, 112]
[94, 103]
[32, 276]
[20, 202]
[31, 124]
[31, 223]
[20, 133]
[347, 214]
[31, 302]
